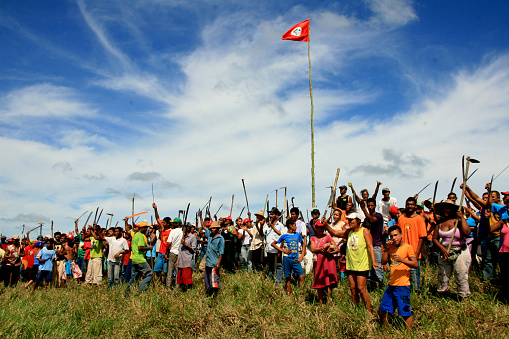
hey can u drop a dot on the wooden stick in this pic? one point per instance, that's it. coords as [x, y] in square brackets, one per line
[465, 176]
[245, 193]
[231, 208]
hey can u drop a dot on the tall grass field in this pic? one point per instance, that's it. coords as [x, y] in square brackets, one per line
[248, 306]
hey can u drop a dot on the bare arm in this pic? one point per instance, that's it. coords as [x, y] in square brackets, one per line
[355, 194]
[378, 183]
[496, 226]
[369, 245]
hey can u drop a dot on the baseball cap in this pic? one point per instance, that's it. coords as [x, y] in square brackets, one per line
[247, 220]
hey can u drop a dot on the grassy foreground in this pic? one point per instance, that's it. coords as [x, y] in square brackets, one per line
[249, 306]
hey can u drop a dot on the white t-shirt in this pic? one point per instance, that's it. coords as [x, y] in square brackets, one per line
[246, 240]
[383, 208]
[175, 238]
[116, 245]
[271, 235]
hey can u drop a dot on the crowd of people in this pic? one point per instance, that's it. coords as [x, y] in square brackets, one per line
[357, 239]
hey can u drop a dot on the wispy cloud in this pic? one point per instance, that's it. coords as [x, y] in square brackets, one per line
[42, 100]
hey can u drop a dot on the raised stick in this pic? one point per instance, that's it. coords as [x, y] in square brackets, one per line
[465, 176]
[245, 193]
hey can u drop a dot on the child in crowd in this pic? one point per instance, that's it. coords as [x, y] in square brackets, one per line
[397, 293]
[291, 242]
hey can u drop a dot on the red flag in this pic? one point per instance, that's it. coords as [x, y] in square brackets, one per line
[299, 32]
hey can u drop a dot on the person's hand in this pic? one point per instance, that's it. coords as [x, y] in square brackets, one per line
[375, 265]
[183, 241]
[445, 253]
[286, 250]
[154, 205]
[199, 213]
[396, 257]
[459, 214]
[299, 259]
[389, 243]
[249, 214]
[117, 256]
[488, 186]
[217, 267]
[378, 183]
[75, 221]
[126, 218]
[362, 204]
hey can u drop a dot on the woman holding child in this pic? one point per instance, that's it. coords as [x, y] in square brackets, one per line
[326, 277]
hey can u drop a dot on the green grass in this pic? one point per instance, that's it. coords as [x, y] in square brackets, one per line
[249, 306]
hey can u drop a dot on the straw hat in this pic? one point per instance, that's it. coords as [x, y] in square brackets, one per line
[439, 207]
[260, 214]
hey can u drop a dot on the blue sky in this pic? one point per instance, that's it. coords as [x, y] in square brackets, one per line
[100, 99]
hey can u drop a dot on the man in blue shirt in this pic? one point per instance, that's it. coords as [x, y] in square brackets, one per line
[215, 251]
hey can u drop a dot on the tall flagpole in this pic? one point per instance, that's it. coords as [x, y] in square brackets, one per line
[312, 130]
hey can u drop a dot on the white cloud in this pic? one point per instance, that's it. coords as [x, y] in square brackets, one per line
[42, 100]
[393, 12]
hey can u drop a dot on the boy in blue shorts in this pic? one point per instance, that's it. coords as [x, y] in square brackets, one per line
[397, 293]
[290, 244]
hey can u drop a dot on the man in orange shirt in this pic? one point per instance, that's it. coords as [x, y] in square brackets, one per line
[403, 259]
[413, 230]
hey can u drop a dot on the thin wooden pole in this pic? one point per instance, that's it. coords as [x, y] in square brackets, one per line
[312, 129]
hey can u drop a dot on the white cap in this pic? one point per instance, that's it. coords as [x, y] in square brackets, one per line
[353, 215]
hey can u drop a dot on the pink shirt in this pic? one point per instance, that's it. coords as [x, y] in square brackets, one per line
[504, 232]
[458, 240]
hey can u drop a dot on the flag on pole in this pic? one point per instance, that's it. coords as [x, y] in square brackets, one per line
[299, 32]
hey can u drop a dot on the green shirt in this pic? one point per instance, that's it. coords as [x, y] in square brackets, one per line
[97, 248]
[357, 256]
[138, 256]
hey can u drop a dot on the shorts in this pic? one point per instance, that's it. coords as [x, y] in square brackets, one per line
[46, 275]
[396, 296]
[161, 264]
[358, 273]
[68, 267]
[212, 278]
[33, 272]
[185, 276]
[290, 265]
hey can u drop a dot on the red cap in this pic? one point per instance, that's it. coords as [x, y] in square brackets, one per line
[209, 223]
[505, 193]
[228, 218]
[393, 210]
[247, 220]
[319, 223]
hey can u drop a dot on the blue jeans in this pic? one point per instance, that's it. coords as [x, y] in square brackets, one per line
[378, 273]
[113, 273]
[140, 270]
[128, 270]
[245, 258]
[415, 276]
[491, 247]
